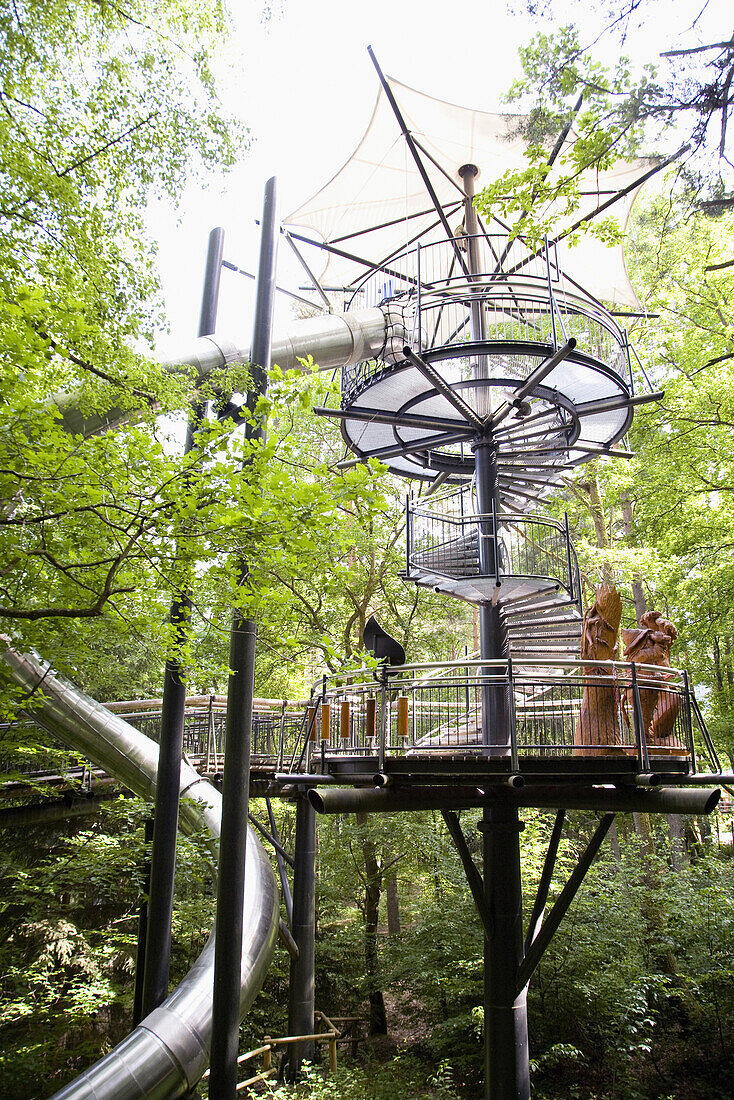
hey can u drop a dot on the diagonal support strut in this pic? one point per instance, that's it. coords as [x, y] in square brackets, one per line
[545, 934]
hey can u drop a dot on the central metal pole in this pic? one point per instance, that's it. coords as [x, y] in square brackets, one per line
[506, 1057]
[477, 322]
[493, 644]
[301, 1003]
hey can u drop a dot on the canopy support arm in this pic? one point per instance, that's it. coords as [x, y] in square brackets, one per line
[417, 158]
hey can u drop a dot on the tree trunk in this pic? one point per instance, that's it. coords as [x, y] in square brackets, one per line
[372, 892]
[653, 916]
[614, 842]
[676, 832]
[600, 524]
[717, 664]
[642, 828]
[393, 906]
[638, 592]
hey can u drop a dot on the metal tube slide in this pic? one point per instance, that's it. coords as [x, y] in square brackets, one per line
[168, 1052]
[333, 340]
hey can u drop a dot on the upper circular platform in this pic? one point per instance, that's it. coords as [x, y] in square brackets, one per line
[488, 339]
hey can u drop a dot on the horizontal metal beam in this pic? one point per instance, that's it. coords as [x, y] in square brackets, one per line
[429, 442]
[378, 416]
[609, 404]
[668, 800]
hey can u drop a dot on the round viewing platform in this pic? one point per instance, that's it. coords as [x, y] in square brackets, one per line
[550, 374]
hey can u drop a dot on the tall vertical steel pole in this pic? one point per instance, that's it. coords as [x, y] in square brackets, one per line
[163, 854]
[301, 1002]
[493, 643]
[506, 1057]
[236, 775]
[493, 636]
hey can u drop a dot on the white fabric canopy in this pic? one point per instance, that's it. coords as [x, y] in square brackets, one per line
[381, 184]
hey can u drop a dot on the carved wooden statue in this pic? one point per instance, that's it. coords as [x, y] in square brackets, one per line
[650, 644]
[598, 722]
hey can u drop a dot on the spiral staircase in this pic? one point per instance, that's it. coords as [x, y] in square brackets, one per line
[535, 580]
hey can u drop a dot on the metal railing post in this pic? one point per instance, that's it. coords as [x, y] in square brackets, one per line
[628, 357]
[281, 737]
[705, 733]
[640, 736]
[495, 540]
[408, 533]
[514, 756]
[419, 314]
[687, 720]
[383, 720]
[551, 299]
[568, 554]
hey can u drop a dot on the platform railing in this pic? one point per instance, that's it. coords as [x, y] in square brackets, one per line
[559, 709]
[529, 309]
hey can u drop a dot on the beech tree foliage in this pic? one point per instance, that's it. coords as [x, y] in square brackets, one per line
[102, 106]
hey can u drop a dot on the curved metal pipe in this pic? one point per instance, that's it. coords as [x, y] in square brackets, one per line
[168, 1052]
[333, 340]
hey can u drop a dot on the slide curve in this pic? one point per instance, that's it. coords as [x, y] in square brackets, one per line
[167, 1053]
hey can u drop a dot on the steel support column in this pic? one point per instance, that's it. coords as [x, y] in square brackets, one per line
[506, 1057]
[236, 774]
[492, 629]
[165, 828]
[301, 989]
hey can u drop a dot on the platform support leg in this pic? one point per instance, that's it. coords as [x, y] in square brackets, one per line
[506, 1054]
[301, 995]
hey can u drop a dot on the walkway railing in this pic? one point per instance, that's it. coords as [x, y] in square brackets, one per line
[557, 709]
[331, 1036]
[276, 726]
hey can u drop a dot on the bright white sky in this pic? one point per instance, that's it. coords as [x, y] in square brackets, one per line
[304, 84]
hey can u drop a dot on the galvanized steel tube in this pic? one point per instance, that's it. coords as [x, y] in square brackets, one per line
[668, 800]
[333, 340]
[168, 1052]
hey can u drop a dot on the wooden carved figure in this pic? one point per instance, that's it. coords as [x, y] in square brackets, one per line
[650, 644]
[597, 724]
